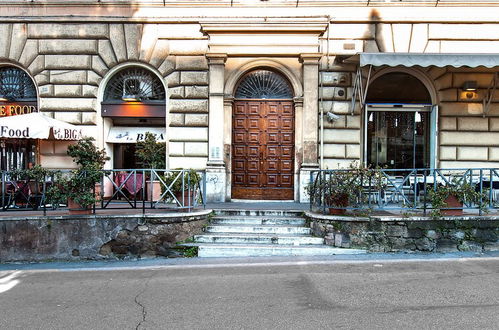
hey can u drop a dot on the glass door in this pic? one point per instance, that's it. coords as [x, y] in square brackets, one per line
[398, 139]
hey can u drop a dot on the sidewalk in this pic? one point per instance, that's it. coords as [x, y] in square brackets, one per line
[164, 263]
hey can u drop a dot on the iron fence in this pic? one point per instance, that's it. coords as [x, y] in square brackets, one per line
[402, 189]
[117, 189]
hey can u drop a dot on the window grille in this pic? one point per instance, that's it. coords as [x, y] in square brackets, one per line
[263, 84]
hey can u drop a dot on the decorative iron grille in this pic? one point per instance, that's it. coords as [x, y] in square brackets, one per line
[264, 84]
[134, 84]
[16, 85]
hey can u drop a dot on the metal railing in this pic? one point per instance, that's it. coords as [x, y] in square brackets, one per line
[117, 189]
[401, 189]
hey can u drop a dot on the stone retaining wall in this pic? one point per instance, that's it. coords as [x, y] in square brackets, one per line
[396, 234]
[96, 236]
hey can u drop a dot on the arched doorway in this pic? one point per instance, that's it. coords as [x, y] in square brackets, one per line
[398, 122]
[263, 137]
[134, 101]
[17, 97]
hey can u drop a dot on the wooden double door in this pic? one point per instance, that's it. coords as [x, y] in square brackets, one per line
[263, 149]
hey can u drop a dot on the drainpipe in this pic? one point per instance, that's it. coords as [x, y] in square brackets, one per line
[321, 95]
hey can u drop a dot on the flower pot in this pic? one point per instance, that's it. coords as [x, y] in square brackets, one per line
[75, 208]
[98, 190]
[333, 211]
[187, 201]
[453, 202]
[153, 190]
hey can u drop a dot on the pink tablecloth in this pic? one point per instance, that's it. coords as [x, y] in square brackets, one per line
[133, 182]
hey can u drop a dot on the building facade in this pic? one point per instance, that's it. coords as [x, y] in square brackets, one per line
[258, 93]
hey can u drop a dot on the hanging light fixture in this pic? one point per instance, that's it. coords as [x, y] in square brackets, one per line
[470, 86]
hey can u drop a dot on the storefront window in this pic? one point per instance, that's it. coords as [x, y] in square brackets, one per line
[398, 139]
[134, 100]
[17, 97]
[398, 122]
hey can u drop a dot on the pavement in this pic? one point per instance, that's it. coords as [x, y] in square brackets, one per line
[384, 291]
[158, 262]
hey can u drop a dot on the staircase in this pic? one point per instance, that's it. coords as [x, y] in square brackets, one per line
[240, 233]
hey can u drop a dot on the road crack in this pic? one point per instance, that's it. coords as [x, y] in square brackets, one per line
[141, 305]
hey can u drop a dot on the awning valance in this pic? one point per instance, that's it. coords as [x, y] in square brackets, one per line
[428, 59]
[122, 134]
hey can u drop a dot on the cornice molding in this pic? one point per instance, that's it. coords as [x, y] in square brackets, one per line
[311, 25]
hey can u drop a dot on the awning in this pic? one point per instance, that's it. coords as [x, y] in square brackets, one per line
[37, 126]
[427, 59]
[121, 134]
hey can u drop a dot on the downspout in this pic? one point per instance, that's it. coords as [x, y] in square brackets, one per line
[321, 99]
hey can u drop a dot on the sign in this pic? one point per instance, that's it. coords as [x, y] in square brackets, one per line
[67, 133]
[120, 134]
[16, 109]
[7, 132]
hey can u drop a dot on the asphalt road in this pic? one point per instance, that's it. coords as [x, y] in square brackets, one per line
[386, 294]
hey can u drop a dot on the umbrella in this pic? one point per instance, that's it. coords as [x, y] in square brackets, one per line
[37, 126]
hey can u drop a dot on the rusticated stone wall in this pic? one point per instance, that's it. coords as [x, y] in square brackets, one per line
[96, 237]
[389, 234]
[70, 60]
[467, 136]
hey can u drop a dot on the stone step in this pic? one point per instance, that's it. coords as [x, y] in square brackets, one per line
[215, 250]
[258, 220]
[228, 212]
[256, 229]
[258, 239]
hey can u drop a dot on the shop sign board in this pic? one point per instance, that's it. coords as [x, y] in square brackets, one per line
[121, 134]
[15, 109]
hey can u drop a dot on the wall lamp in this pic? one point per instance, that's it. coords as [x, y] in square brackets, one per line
[470, 86]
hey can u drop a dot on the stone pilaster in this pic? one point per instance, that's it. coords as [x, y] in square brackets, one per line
[216, 182]
[310, 121]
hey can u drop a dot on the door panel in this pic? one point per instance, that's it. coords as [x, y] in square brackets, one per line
[263, 150]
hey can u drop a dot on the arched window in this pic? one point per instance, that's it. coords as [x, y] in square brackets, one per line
[263, 84]
[16, 85]
[134, 84]
[17, 97]
[398, 122]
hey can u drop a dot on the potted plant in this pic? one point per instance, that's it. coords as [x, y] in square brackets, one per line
[152, 154]
[183, 185]
[78, 188]
[341, 188]
[30, 181]
[448, 199]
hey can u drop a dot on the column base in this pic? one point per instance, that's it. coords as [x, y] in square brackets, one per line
[216, 184]
[305, 181]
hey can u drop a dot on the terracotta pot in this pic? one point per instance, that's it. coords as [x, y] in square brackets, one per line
[98, 189]
[337, 211]
[75, 208]
[186, 197]
[453, 202]
[153, 190]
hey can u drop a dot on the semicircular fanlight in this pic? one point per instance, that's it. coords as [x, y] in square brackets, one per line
[263, 84]
[134, 84]
[16, 85]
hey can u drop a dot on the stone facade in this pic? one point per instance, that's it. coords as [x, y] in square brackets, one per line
[71, 52]
[97, 237]
[412, 234]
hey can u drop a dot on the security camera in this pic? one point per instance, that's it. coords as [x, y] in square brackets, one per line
[331, 117]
